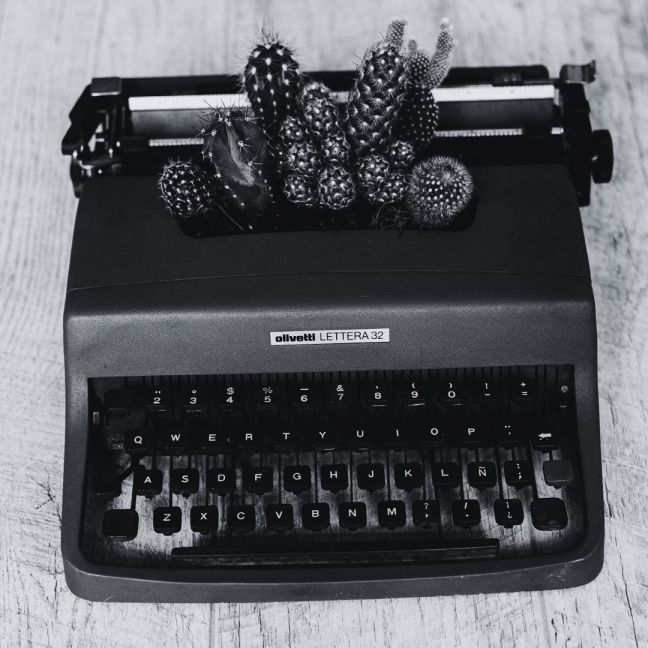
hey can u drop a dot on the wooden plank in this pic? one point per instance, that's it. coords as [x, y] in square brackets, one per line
[48, 52]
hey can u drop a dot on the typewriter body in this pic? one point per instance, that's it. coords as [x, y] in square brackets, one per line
[296, 415]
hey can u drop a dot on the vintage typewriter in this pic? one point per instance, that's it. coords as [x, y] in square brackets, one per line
[343, 413]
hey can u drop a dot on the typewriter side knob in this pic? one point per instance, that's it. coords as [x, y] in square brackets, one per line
[602, 156]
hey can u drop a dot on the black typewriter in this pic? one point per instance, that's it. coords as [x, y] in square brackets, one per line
[342, 413]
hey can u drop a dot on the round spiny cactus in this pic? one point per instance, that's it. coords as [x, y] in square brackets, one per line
[392, 190]
[378, 93]
[379, 181]
[292, 131]
[335, 149]
[371, 172]
[301, 190]
[400, 154]
[272, 81]
[336, 188]
[186, 189]
[440, 188]
[303, 158]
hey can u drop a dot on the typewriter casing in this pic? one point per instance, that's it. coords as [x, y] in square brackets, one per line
[511, 289]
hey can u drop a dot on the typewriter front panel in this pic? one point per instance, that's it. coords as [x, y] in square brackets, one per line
[232, 460]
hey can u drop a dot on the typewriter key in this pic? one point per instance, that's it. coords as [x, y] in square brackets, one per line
[466, 513]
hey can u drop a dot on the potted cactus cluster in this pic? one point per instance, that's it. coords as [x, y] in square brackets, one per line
[296, 158]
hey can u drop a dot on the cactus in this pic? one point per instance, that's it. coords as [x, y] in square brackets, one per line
[237, 149]
[440, 63]
[272, 81]
[440, 188]
[322, 118]
[301, 190]
[419, 116]
[372, 171]
[400, 155]
[313, 143]
[336, 188]
[186, 189]
[378, 93]
[379, 182]
[301, 160]
[392, 190]
[304, 158]
[292, 131]
[335, 149]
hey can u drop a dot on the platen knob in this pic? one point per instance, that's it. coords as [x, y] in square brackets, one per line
[602, 156]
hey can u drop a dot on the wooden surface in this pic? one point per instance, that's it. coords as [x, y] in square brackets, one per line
[48, 52]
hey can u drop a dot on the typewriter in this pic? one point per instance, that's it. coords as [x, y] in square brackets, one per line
[338, 413]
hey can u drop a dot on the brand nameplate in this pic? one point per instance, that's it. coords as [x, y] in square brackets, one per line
[329, 336]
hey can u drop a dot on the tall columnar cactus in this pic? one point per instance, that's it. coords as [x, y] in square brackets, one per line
[378, 93]
[440, 188]
[237, 149]
[186, 189]
[419, 115]
[272, 81]
[300, 161]
[315, 152]
[322, 119]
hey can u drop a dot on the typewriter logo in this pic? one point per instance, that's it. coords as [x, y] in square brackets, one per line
[329, 336]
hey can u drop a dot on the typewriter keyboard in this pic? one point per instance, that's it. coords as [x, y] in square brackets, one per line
[348, 467]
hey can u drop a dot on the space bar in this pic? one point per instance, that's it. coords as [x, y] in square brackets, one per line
[335, 553]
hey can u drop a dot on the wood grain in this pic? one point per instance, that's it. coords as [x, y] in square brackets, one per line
[48, 52]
